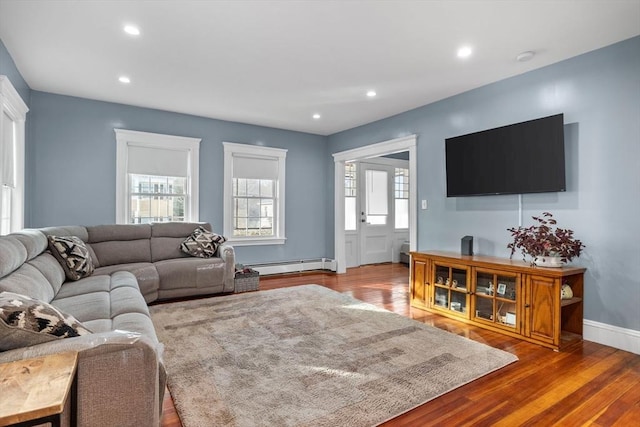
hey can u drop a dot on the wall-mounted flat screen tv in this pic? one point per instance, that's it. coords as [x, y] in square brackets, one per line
[521, 158]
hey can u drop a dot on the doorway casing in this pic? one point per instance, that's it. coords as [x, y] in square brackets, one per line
[406, 143]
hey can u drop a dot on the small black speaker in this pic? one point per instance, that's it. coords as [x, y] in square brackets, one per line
[466, 247]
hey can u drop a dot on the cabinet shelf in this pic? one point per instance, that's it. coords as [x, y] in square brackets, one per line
[506, 296]
[570, 301]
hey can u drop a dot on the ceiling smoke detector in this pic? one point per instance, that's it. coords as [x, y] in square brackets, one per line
[525, 56]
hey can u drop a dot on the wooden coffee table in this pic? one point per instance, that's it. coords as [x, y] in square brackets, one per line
[35, 391]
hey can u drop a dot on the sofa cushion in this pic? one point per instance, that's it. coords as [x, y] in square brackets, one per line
[51, 269]
[34, 241]
[12, 254]
[73, 255]
[146, 275]
[122, 251]
[28, 280]
[202, 243]
[191, 273]
[122, 232]
[26, 321]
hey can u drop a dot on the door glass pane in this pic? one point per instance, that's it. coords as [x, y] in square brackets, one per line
[350, 213]
[376, 197]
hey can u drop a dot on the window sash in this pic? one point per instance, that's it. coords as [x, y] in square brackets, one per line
[264, 169]
[132, 146]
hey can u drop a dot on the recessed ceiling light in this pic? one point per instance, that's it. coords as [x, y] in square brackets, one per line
[316, 116]
[371, 93]
[464, 52]
[131, 29]
[124, 79]
[525, 56]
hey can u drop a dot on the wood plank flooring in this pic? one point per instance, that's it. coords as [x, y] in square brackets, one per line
[586, 384]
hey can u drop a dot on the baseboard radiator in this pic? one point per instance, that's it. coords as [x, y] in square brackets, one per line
[294, 266]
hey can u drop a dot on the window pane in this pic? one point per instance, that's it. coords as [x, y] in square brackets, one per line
[5, 213]
[266, 188]
[376, 186]
[350, 214]
[377, 219]
[402, 213]
[253, 206]
[253, 187]
[156, 198]
[241, 208]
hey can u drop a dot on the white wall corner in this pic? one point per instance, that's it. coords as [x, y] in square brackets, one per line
[613, 336]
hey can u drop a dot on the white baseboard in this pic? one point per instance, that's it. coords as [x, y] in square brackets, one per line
[295, 266]
[613, 336]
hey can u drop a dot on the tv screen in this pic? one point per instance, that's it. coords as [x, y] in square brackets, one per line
[525, 157]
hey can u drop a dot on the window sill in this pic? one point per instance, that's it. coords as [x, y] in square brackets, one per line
[256, 241]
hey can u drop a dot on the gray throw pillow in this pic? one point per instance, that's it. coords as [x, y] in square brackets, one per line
[73, 255]
[26, 321]
[202, 243]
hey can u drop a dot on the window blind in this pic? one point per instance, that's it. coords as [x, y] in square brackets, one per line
[7, 153]
[255, 168]
[157, 161]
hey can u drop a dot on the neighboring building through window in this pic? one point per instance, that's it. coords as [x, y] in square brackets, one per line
[13, 112]
[156, 198]
[401, 197]
[157, 177]
[254, 183]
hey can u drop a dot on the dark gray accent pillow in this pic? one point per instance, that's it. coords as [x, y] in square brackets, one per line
[73, 255]
[202, 243]
[26, 321]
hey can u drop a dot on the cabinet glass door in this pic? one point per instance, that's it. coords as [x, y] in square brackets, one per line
[495, 298]
[451, 288]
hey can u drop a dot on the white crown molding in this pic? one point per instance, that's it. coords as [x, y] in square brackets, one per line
[13, 100]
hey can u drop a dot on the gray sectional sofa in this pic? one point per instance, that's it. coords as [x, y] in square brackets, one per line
[120, 376]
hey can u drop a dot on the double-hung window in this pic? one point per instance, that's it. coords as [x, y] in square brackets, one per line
[13, 112]
[254, 182]
[157, 178]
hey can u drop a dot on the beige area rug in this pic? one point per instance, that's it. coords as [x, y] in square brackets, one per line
[307, 356]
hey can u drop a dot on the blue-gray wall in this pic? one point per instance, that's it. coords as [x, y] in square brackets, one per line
[599, 94]
[72, 164]
[71, 167]
[9, 69]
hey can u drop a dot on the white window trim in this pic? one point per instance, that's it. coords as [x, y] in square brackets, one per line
[126, 138]
[246, 150]
[12, 104]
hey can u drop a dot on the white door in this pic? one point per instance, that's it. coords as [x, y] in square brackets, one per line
[376, 213]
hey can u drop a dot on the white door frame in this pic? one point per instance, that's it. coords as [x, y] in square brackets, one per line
[407, 143]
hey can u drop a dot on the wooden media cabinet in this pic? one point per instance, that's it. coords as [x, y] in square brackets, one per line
[503, 295]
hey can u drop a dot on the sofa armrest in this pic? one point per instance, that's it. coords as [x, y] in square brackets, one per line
[120, 377]
[228, 255]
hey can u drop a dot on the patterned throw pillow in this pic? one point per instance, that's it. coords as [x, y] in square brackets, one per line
[73, 255]
[202, 243]
[25, 321]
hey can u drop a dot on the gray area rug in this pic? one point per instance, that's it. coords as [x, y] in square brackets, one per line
[307, 356]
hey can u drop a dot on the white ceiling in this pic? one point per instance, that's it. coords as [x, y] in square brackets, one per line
[275, 63]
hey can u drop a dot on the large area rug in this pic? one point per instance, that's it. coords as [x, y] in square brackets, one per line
[307, 356]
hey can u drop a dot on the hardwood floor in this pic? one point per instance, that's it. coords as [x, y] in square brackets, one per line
[586, 384]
